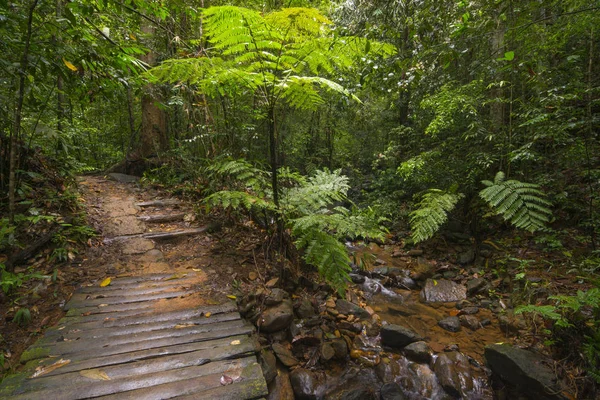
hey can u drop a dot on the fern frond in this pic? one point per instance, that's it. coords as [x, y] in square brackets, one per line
[432, 213]
[236, 200]
[320, 190]
[299, 21]
[521, 203]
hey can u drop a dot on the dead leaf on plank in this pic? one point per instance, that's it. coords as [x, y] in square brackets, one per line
[235, 342]
[105, 282]
[181, 326]
[207, 315]
[39, 371]
[96, 374]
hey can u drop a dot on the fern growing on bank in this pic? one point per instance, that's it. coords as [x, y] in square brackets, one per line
[522, 204]
[432, 213]
[306, 208]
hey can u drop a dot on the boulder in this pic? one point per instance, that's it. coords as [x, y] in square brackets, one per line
[454, 374]
[347, 308]
[392, 391]
[397, 336]
[327, 352]
[340, 348]
[284, 355]
[419, 352]
[355, 385]
[305, 309]
[268, 363]
[476, 285]
[281, 388]
[276, 296]
[469, 321]
[451, 324]
[305, 384]
[524, 370]
[276, 318]
[442, 291]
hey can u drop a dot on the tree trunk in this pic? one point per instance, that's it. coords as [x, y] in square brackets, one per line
[14, 137]
[273, 155]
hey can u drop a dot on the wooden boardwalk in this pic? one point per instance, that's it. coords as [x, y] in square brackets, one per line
[141, 338]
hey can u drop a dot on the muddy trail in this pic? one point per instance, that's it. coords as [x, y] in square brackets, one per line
[408, 327]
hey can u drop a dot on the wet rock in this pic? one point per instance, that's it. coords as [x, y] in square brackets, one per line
[327, 352]
[406, 283]
[415, 252]
[469, 321]
[340, 349]
[442, 291]
[358, 279]
[476, 285]
[281, 387]
[276, 296]
[356, 385]
[379, 261]
[451, 324]
[397, 336]
[422, 270]
[346, 308]
[453, 373]
[469, 310]
[466, 257]
[418, 351]
[268, 363]
[511, 323]
[284, 355]
[305, 309]
[305, 384]
[276, 318]
[392, 391]
[523, 369]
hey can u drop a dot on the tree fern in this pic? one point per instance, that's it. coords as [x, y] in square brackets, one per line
[522, 204]
[432, 213]
[318, 192]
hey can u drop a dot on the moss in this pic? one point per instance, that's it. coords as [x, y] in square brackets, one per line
[34, 353]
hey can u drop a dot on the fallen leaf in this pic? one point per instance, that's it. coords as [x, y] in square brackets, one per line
[232, 297]
[196, 269]
[226, 380]
[454, 313]
[207, 314]
[96, 374]
[103, 305]
[105, 282]
[235, 342]
[181, 326]
[39, 371]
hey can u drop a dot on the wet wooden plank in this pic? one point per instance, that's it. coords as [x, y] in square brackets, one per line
[100, 311]
[108, 294]
[74, 332]
[137, 317]
[83, 350]
[205, 374]
[132, 368]
[202, 387]
[216, 349]
[250, 388]
[138, 286]
[77, 303]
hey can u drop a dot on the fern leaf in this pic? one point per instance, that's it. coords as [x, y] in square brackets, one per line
[432, 213]
[521, 203]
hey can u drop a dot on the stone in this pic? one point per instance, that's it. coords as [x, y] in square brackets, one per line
[281, 387]
[469, 321]
[418, 352]
[305, 384]
[442, 291]
[327, 352]
[397, 253]
[453, 373]
[511, 323]
[305, 309]
[276, 296]
[523, 369]
[340, 349]
[268, 363]
[466, 257]
[138, 246]
[379, 261]
[391, 391]
[272, 283]
[355, 385]
[415, 252]
[397, 336]
[276, 318]
[284, 354]
[358, 279]
[406, 282]
[451, 324]
[345, 307]
[469, 310]
[422, 270]
[475, 285]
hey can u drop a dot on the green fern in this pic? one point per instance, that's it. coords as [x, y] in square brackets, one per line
[522, 204]
[318, 192]
[432, 213]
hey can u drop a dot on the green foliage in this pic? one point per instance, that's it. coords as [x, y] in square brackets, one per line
[522, 204]
[22, 317]
[432, 213]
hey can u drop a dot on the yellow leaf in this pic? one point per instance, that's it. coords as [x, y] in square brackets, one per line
[69, 65]
[235, 342]
[132, 36]
[434, 282]
[96, 374]
[207, 314]
[39, 371]
[232, 297]
[105, 282]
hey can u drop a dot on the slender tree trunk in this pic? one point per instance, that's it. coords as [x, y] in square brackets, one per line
[60, 96]
[273, 155]
[14, 138]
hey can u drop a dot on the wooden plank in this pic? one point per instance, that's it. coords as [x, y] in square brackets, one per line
[198, 387]
[74, 332]
[216, 349]
[128, 369]
[101, 311]
[105, 293]
[158, 203]
[251, 388]
[209, 372]
[118, 319]
[174, 234]
[82, 350]
[161, 217]
[124, 299]
[115, 286]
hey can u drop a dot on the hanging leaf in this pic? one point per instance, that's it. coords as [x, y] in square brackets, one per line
[69, 65]
[96, 374]
[105, 282]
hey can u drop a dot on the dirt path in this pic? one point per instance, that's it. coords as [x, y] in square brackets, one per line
[150, 318]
